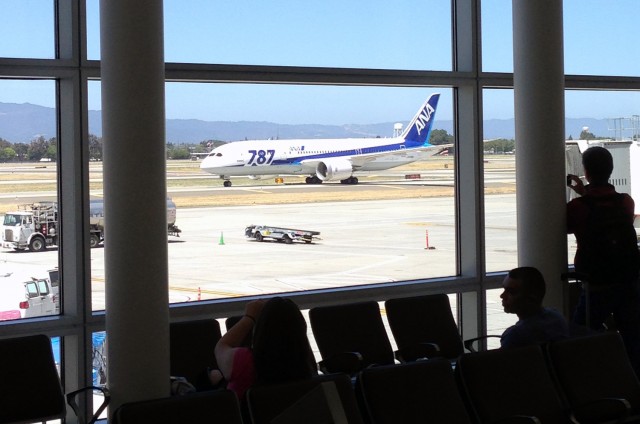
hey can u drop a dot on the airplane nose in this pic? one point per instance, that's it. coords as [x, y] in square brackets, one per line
[204, 163]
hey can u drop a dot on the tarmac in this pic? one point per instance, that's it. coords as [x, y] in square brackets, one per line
[363, 242]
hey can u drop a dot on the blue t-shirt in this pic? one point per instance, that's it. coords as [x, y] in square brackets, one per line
[547, 326]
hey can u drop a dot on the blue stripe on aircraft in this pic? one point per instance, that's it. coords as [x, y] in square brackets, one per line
[396, 147]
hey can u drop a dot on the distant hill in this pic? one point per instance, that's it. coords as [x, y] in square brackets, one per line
[24, 122]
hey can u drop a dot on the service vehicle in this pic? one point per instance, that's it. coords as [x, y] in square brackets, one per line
[35, 225]
[26, 294]
[286, 235]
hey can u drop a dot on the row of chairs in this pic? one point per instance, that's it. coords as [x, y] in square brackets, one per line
[581, 380]
[338, 330]
[422, 327]
[31, 391]
[350, 337]
[587, 378]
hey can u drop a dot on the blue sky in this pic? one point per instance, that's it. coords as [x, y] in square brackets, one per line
[409, 34]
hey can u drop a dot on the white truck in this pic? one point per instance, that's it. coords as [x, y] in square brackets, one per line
[26, 293]
[286, 235]
[35, 225]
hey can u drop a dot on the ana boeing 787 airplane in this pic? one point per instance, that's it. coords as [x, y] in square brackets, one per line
[325, 159]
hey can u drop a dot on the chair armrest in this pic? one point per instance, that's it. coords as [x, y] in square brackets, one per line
[468, 344]
[417, 351]
[72, 401]
[346, 362]
[604, 409]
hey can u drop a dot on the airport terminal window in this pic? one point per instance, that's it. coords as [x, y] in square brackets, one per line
[499, 180]
[380, 234]
[27, 29]
[598, 36]
[497, 36]
[614, 118]
[412, 34]
[93, 30]
[96, 196]
[28, 196]
[592, 33]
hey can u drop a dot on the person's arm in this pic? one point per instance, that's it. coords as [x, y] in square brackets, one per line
[576, 184]
[228, 344]
[630, 206]
[513, 337]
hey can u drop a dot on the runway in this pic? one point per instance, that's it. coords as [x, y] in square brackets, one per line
[28, 183]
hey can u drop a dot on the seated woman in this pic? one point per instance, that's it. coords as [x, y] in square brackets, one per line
[280, 350]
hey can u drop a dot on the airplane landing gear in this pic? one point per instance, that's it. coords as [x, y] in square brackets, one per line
[313, 180]
[350, 180]
[227, 183]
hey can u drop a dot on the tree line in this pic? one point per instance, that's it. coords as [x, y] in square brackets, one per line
[41, 148]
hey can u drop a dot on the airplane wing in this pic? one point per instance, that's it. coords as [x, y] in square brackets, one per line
[358, 161]
[432, 150]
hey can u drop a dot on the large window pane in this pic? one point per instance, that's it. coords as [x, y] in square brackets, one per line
[390, 35]
[497, 36]
[499, 180]
[614, 118]
[405, 35]
[595, 32]
[93, 30]
[28, 200]
[374, 232]
[27, 29]
[599, 37]
[615, 125]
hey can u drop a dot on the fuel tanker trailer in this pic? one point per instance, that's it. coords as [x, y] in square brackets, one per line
[34, 226]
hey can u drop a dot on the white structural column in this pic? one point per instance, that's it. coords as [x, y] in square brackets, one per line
[136, 269]
[540, 138]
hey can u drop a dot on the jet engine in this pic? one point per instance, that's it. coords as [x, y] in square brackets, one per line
[335, 169]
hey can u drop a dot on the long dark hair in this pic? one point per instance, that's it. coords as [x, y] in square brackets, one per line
[281, 349]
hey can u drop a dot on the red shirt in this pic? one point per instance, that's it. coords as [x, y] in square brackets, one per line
[243, 373]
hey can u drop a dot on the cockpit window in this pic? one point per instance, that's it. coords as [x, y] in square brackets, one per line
[218, 154]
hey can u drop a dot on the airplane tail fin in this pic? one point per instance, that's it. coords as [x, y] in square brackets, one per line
[420, 126]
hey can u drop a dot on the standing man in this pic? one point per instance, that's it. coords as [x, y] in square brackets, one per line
[607, 253]
[524, 290]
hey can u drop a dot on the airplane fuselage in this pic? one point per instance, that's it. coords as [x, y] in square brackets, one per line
[325, 159]
[278, 157]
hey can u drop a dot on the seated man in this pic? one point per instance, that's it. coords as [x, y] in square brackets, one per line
[524, 289]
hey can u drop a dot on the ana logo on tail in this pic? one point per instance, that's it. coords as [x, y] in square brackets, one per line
[424, 117]
[420, 126]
